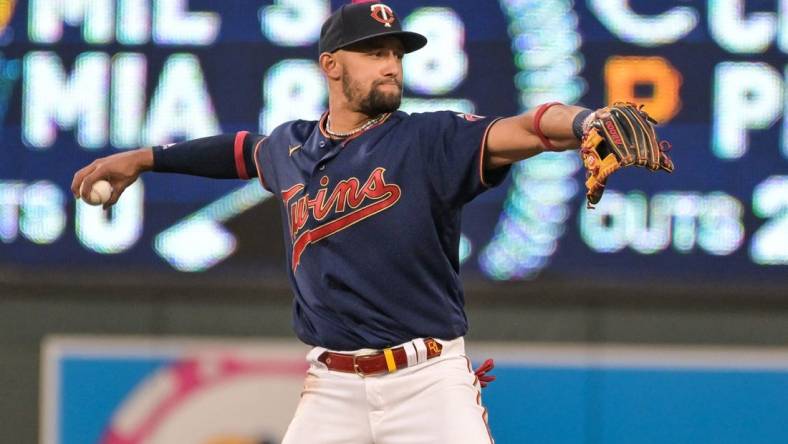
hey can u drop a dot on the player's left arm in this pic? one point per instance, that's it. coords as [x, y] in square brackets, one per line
[516, 138]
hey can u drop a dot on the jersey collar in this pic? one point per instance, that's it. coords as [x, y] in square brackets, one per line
[322, 125]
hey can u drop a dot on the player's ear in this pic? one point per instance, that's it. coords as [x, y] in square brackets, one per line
[330, 66]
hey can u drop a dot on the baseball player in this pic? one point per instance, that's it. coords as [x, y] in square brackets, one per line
[371, 199]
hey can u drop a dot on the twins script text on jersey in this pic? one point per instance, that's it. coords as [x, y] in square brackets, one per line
[351, 201]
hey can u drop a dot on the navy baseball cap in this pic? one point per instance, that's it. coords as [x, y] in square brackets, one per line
[356, 22]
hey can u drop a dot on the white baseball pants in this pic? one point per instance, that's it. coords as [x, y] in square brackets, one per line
[433, 402]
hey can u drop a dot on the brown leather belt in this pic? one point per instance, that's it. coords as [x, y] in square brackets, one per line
[385, 361]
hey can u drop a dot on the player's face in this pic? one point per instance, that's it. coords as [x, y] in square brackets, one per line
[372, 75]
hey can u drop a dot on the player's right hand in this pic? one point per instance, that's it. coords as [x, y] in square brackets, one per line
[120, 170]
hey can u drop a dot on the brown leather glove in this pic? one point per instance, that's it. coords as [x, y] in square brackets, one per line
[619, 136]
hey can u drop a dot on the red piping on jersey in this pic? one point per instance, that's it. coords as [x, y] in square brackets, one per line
[257, 163]
[321, 125]
[382, 121]
[482, 150]
[240, 165]
[538, 125]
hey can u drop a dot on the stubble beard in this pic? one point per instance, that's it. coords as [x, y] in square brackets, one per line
[374, 102]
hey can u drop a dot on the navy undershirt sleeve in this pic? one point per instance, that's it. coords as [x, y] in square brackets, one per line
[227, 156]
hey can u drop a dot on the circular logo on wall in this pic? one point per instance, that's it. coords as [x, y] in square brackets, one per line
[211, 399]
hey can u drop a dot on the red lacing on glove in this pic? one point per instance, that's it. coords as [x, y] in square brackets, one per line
[481, 373]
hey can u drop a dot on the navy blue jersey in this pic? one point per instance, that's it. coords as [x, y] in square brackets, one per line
[372, 224]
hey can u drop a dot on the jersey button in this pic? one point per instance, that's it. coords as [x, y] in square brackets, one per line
[322, 167]
[322, 144]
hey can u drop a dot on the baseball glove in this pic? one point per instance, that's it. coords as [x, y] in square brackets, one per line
[619, 136]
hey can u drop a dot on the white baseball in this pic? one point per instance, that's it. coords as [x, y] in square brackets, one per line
[100, 193]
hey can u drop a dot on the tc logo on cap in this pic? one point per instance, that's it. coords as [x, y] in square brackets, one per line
[383, 14]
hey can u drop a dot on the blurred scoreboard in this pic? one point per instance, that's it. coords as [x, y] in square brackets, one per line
[81, 79]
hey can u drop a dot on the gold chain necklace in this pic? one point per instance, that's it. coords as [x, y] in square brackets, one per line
[352, 132]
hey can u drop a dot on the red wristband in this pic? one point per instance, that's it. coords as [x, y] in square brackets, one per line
[538, 124]
[240, 163]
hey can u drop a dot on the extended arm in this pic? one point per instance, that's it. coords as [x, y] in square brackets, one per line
[516, 138]
[229, 156]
